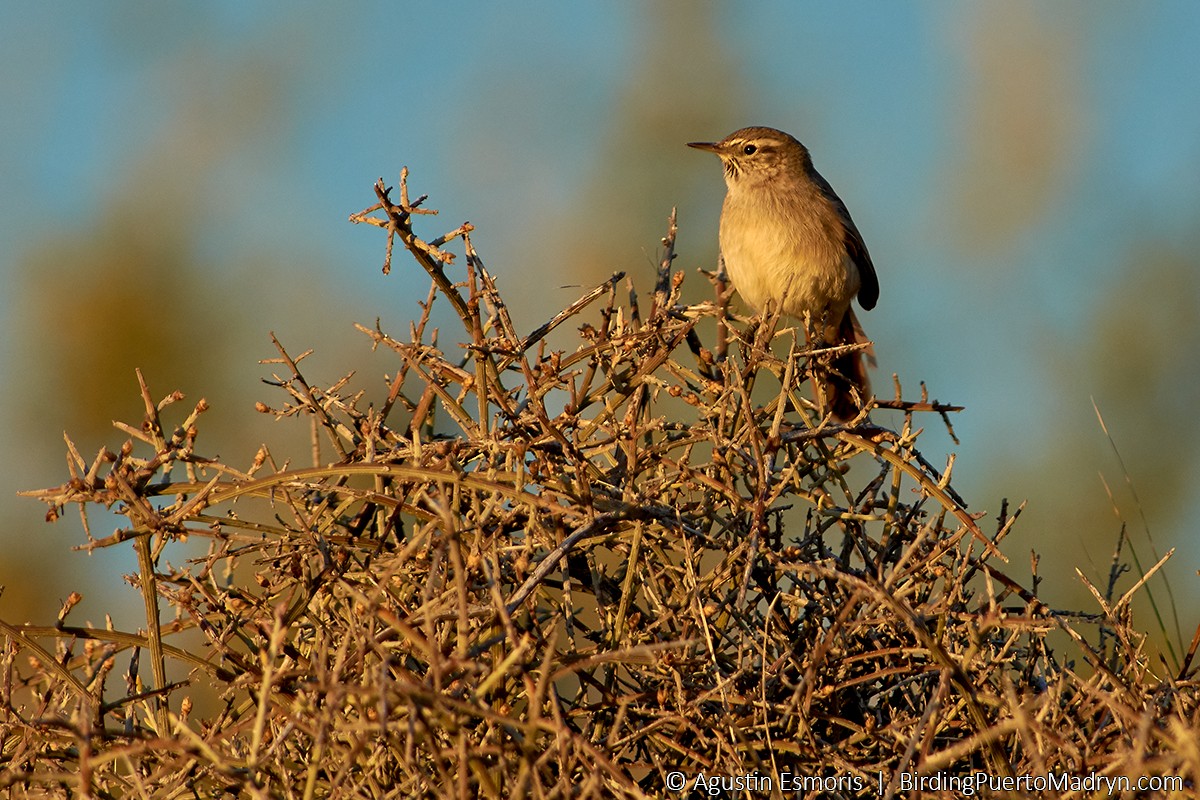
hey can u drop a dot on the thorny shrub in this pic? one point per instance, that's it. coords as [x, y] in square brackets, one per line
[529, 571]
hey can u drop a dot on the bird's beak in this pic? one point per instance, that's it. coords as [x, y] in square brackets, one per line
[712, 147]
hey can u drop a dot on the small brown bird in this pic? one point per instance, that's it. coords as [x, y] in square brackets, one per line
[787, 237]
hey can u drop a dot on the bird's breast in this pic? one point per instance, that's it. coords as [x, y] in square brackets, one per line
[786, 248]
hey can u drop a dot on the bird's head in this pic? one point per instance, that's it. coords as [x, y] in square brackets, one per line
[757, 155]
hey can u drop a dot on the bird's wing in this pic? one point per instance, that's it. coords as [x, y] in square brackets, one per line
[868, 291]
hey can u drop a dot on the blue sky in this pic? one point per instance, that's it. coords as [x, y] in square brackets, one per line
[1017, 170]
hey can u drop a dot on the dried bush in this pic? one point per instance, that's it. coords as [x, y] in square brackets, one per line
[545, 572]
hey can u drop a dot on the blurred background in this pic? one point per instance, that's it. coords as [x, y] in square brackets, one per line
[177, 184]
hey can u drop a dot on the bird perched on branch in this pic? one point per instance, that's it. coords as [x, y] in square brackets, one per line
[787, 239]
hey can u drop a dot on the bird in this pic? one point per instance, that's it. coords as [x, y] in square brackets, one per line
[787, 239]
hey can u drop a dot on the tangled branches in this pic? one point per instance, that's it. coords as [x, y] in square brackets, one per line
[531, 571]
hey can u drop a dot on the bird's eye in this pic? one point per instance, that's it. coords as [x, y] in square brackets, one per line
[750, 149]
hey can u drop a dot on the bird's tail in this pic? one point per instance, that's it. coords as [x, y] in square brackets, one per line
[849, 387]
